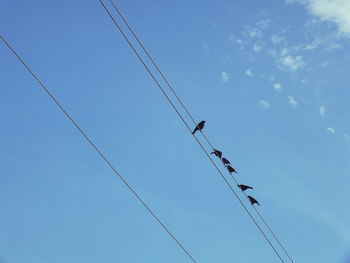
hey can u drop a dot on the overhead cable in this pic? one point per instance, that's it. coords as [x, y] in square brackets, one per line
[82, 132]
[187, 126]
[185, 108]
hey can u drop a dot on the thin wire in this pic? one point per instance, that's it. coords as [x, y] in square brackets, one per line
[277, 239]
[158, 69]
[189, 129]
[184, 106]
[264, 221]
[99, 152]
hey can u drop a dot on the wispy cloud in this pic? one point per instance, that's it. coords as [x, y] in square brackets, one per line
[276, 39]
[237, 41]
[263, 24]
[328, 42]
[284, 51]
[291, 63]
[333, 46]
[205, 48]
[277, 86]
[257, 30]
[347, 137]
[335, 11]
[264, 104]
[225, 77]
[323, 111]
[292, 101]
[254, 32]
[249, 72]
[257, 48]
[330, 130]
[318, 41]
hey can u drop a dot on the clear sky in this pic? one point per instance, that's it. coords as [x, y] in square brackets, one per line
[271, 78]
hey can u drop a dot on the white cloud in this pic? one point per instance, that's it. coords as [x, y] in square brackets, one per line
[277, 86]
[323, 111]
[272, 52]
[292, 63]
[249, 72]
[264, 104]
[205, 48]
[257, 48]
[330, 130]
[315, 43]
[284, 51]
[347, 137]
[292, 101]
[237, 41]
[254, 32]
[263, 24]
[327, 41]
[225, 77]
[277, 39]
[333, 46]
[335, 11]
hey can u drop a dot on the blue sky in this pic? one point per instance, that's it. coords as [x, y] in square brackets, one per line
[271, 80]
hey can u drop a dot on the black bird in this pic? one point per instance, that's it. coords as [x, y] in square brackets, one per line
[230, 169]
[217, 153]
[225, 161]
[199, 127]
[244, 187]
[253, 200]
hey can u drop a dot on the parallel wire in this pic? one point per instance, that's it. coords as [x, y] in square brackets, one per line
[272, 232]
[188, 113]
[266, 224]
[99, 152]
[189, 129]
[158, 69]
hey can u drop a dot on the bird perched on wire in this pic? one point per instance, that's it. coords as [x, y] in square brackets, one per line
[230, 169]
[253, 200]
[244, 187]
[199, 127]
[217, 153]
[225, 161]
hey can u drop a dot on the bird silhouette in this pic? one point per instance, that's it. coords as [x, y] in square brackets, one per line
[217, 153]
[225, 161]
[244, 187]
[199, 127]
[253, 200]
[230, 169]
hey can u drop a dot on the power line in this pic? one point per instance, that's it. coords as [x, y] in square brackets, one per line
[158, 69]
[187, 110]
[100, 152]
[189, 129]
[272, 232]
[265, 223]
